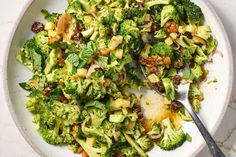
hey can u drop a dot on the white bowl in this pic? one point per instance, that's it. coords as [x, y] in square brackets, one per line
[217, 95]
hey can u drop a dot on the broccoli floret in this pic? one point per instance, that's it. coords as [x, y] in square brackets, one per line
[184, 42]
[107, 127]
[184, 114]
[193, 12]
[41, 40]
[92, 151]
[155, 132]
[129, 151]
[34, 104]
[169, 88]
[97, 112]
[118, 104]
[87, 5]
[54, 126]
[169, 13]
[211, 45]
[50, 17]
[200, 58]
[145, 143]
[117, 117]
[161, 34]
[135, 145]
[194, 92]
[30, 56]
[87, 51]
[69, 113]
[130, 13]
[51, 61]
[129, 27]
[74, 7]
[195, 96]
[162, 49]
[94, 131]
[204, 32]
[156, 2]
[172, 137]
[196, 72]
[196, 105]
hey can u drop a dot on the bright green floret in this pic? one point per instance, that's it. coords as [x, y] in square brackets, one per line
[169, 13]
[145, 143]
[172, 138]
[97, 112]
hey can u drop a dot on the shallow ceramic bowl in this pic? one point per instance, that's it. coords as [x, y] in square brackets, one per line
[213, 108]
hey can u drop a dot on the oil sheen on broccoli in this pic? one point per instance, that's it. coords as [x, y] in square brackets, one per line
[84, 63]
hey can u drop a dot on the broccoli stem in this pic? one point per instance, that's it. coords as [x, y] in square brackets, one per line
[134, 145]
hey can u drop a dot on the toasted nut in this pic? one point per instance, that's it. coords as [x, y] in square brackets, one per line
[63, 24]
[52, 39]
[105, 51]
[172, 27]
[167, 61]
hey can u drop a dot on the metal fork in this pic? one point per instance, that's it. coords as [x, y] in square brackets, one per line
[183, 90]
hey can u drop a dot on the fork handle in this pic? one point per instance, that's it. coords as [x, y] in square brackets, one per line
[214, 149]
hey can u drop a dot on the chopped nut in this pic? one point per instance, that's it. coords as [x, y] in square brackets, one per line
[105, 51]
[63, 24]
[172, 27]
[167, 61]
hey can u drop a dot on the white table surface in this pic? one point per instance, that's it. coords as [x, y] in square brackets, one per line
[12, 143]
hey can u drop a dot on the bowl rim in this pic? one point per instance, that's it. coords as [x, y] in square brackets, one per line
[8, 102]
